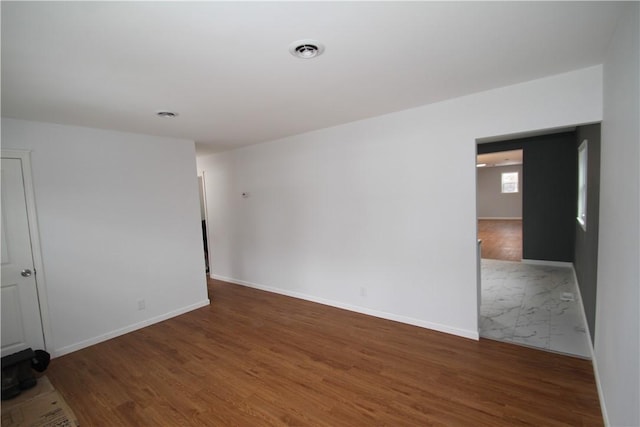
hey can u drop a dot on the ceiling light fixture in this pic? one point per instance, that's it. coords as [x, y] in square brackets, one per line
[306, 49]
[481, 165]
[166, 114]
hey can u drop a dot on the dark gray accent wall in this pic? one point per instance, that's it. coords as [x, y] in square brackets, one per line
[549, 195]
[586, 244]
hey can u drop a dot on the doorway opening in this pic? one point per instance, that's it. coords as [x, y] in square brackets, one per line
[499, 195]
[529, 295]
[203, 220]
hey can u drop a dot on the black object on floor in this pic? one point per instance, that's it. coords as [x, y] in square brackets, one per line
[40, 360]
[16, 371]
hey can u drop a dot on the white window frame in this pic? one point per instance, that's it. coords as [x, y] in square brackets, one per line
[582, 185]
[502, 183]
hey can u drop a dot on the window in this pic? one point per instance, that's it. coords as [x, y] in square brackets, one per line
[510, 182]
[582, 185]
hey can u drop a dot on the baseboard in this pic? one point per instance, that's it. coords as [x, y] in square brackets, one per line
[603, 408]
[547, 263]
[474, 335]
[594, 363]
[584, 314]
[501, 218]
[116, 333]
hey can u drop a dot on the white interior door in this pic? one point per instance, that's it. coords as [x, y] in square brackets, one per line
[21, 318]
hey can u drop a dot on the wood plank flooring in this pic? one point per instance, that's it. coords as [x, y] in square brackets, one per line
[501, 239]
[254, 358]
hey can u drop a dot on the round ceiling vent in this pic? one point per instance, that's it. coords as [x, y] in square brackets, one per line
[166, 114]
[306, 49]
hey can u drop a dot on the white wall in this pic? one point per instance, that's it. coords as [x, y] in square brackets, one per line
[119, 221]
[492, 202]
[617, 334]
[363, 208]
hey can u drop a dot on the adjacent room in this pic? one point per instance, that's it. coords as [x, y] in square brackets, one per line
[499, 196]
[527, 226]
[266, 213]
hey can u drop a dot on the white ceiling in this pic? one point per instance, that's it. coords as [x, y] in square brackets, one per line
[500, 158]
[226, 69]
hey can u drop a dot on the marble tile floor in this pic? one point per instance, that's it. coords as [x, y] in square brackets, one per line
[527, 304]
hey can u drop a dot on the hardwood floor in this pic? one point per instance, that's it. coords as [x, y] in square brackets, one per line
[254, 358]
[501, 239]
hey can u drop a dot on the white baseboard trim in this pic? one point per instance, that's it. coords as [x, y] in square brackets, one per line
[501, 218]
[603, 407]
[104, 337]
[582, 312]
[547, 263]
[470, 334]
[594, 363]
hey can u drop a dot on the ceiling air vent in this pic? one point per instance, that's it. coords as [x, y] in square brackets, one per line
[306, 49]
[166, 114]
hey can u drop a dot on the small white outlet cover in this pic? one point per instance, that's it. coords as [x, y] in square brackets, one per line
[141, 304]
